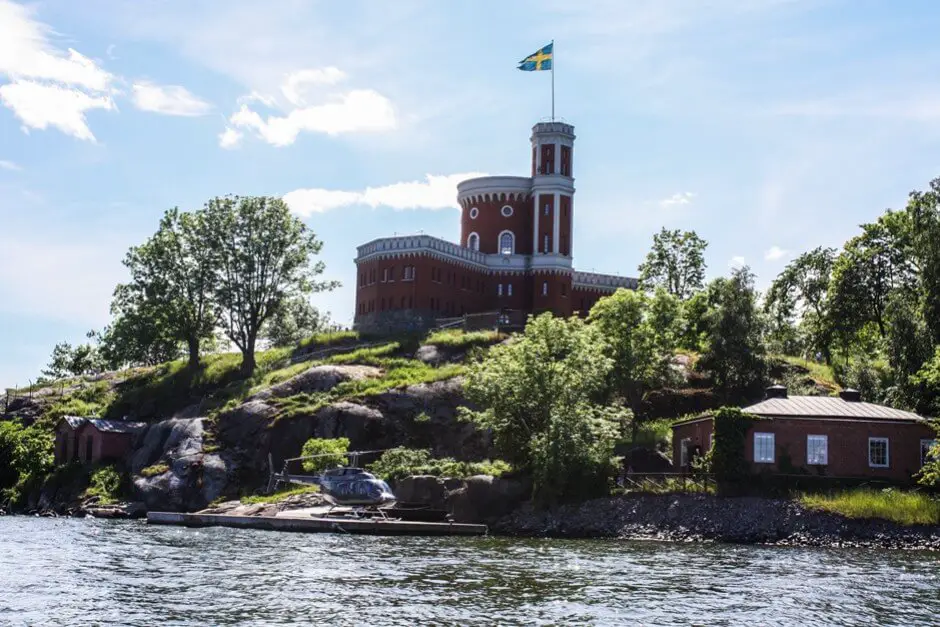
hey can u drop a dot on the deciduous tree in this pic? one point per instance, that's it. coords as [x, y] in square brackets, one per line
[676, 263]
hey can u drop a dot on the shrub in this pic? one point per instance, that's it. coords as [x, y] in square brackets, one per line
[331, 452]
[25, 458]
[154, 470]
[727, 455]
[455, 338]
[105, 484]
[398, 463]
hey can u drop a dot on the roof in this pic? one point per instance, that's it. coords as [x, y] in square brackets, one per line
[828, 407]
[105, 426]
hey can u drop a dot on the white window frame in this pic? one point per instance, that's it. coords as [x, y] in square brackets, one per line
[384, 275]
[512, 239]
[509, 289]
[474, 212]
[545, 243]
[544, 288]
[763, 459]
[887, 463]
[473, 241]
[546, 208]
[817, 439]
[506, 211]
[925, 446]
[684, 445]
[409, 274]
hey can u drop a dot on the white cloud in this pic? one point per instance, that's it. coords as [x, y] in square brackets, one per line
[679, 198]
[48, 87]
[230, 138]
[40, 106]
[434, 192]
[25, 52]
[775, 252]
[293, 88]
[357, 111]
[255, 96]
[737, 262]
[168, 99]
[10, 165]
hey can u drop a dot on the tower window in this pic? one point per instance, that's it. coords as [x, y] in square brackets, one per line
[474, 212]
[499, 289]
[473, 241]
[545, 244]
[509, 289]
[506, 211]
[544, 288]
[408, 273]
[546, 209]
[507, 243]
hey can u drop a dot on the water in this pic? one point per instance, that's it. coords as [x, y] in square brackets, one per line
[95, 572]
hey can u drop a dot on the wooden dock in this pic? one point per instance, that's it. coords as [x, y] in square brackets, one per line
[311, 524]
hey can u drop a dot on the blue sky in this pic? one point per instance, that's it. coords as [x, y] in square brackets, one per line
[769, 127]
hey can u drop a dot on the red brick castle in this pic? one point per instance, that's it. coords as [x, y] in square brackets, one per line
[514, 254]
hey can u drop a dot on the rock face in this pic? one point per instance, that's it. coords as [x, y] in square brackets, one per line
[319, 379]
[700, 517]
[478, 499]
[252, 431]
[194, 478]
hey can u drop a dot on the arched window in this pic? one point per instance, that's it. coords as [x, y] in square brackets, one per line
[473, 241]
[507, 243]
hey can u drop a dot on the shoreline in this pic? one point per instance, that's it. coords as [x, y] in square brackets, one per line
[675, 518]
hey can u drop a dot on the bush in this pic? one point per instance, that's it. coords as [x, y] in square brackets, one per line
[105, 484]
[331, 452]
[25, 458]
[398, 463]
[154, 470]
[904, 508]
[456, 338]
[727, 458]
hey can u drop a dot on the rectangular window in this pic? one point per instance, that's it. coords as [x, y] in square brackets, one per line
[564, 289]
[499, 289]
[925, 455]
[544, 288]
[385, 275]
[391, 274]
[878, 454]
[817, 450]
[408, 273]
[764, 448]
[684, 445]
[546, 209]
[545, 244]
[509, 289]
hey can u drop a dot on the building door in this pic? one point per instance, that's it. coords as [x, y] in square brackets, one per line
[89, 449]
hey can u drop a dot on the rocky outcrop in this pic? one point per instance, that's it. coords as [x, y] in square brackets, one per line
[478, 499]
[727, 519]
[318, 379]
[193, 477]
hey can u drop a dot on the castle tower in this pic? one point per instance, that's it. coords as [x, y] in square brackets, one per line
[552, 188]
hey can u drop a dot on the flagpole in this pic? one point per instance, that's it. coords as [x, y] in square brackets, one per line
[553, 80]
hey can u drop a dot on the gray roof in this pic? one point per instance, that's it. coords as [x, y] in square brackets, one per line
[106, 426]
[828, 407]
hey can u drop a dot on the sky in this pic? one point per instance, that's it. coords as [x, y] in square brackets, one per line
[768, 127]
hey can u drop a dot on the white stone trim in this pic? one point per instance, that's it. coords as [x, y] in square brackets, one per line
[611, 282]
[556, 231]
[493, 186]
[535, 226]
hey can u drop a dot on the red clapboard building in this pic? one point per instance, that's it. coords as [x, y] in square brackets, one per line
[514, 256]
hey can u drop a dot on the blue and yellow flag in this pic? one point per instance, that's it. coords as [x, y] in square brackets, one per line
[541, 60]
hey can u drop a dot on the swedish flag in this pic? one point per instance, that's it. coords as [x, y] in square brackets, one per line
[538, 61]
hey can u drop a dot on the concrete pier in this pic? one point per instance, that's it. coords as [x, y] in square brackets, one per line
[310, 524]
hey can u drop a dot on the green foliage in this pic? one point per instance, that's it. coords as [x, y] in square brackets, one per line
[676, 262]
[280, 495]
[458, 339]
[903, 508]
[170, 292]
[735, 357]
[105, 484]
[68, 360]
[154, 470]
[326, 453]
[25, 458]
[800, 293]
[140, 333]
[329, 338]
[728, 461]
[294, 321]
[694, 330]
[653, 434]
[538, 393]
[422, 418]
[638, 333]
[397, 463]
[263, 255]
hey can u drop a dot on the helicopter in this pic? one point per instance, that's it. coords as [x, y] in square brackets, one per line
[347, 485]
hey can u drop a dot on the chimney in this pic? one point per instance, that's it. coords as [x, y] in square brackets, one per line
[850, 395]
[776, 391]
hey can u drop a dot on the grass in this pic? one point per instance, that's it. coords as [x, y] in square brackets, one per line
[821, 373]
[279, 496]
[903, 508]
[456, 338]
[154, 470]
[329, 339]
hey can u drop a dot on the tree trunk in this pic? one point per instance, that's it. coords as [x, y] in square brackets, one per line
[193, 345]
[248, 356]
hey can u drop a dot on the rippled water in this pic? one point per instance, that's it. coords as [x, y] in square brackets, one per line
[94, 572]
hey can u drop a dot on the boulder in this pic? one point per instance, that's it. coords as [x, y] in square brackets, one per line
[423, 489]
[642, 459]
[318, 379]
[484, 499]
